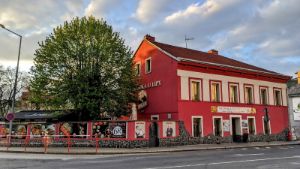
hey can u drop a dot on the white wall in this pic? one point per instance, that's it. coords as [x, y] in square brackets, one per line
[185, 75]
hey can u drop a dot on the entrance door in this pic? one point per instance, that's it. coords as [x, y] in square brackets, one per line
[153, 135]
[236, 129]
[197, 127]
[218, 126]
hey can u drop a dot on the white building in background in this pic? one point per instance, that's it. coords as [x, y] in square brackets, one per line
[294, 106]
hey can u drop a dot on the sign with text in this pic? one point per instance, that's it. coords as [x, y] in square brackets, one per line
[226, 125]
[104, 129]
[227, 109]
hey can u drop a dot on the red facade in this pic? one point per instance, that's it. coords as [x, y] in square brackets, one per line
[168, 88]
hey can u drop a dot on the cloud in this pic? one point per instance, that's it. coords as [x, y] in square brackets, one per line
[100, 8]
[261, 32]
[148, 10]
[34, 20]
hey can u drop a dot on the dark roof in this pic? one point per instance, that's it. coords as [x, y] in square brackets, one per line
[209, 58]
[39, 114]
[294, 90]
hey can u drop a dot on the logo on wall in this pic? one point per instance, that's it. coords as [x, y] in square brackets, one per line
[142, 99]
[117, 131]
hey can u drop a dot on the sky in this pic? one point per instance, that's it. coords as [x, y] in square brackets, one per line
[265, 33]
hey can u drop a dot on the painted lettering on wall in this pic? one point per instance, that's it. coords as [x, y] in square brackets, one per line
[150, 85]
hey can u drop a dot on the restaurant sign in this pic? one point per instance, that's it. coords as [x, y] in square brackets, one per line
[227, 109]
[150, 85]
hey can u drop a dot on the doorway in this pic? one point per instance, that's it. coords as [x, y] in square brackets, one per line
[236, 129]
[153, 135]
[197, 126]
[217, 126]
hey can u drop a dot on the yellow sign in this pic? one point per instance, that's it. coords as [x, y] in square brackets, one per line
[227, 109]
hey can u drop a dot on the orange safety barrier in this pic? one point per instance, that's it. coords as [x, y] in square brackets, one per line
[97, 144]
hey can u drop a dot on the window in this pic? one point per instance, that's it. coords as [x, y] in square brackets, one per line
[138, 69]
[264, 95]
[197, 126]
[215, 91]
[249, 94]
[251, 125]
[148, 65]
[233, 93]
[218, 126]
[195, 90]
[277, 97]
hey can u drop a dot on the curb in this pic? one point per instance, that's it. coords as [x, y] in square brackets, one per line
[149, 151]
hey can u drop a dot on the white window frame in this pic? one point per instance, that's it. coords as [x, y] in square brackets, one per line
[200, 117]
[220, 99]
[200, 89]
[155, 116]
[252, 88]
[254, 120]
[236, 116]
[222, 128]
[237, 90]
[139, 69]
[260, 94]
[269, 123]
[150, 59]
[280, 95]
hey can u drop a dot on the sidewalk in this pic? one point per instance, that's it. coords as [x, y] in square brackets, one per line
[92, 150]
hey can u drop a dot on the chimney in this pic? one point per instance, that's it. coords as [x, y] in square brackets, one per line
[298, 76]
[213, 51]
[150, 38]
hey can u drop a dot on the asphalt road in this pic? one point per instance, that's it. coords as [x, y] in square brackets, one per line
[279, 157]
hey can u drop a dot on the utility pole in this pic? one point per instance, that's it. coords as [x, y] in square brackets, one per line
[16, 79]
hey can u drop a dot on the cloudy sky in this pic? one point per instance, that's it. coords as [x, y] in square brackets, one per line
[260, 32]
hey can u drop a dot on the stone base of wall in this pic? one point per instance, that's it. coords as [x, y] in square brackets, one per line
[184, 138]
[82, 143]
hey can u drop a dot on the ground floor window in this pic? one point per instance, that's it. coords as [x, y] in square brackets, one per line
[218, 126]
[197, 126]
[251, 125]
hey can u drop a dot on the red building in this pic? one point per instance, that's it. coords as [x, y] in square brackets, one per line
[210, 93]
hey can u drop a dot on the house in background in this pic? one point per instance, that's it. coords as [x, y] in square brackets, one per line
[294, 105]
[210, 93]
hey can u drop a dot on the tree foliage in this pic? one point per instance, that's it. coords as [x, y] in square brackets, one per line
[83, 65]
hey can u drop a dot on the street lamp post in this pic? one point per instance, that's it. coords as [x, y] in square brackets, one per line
[16, 78]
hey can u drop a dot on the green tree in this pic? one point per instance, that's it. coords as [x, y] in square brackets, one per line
[84, 65]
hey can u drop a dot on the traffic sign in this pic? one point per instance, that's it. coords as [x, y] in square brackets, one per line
[10, 116]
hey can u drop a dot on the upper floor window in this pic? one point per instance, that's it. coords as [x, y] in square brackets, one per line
[215, 91]
[263, 95]
[277, 97]
[138, 69]
[249, 94]
[233, 93]
[195, 90]
[148, 65]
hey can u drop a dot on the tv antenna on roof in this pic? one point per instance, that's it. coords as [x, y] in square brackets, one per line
[187, 39]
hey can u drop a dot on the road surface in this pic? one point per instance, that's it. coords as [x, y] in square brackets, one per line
[279, 157]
